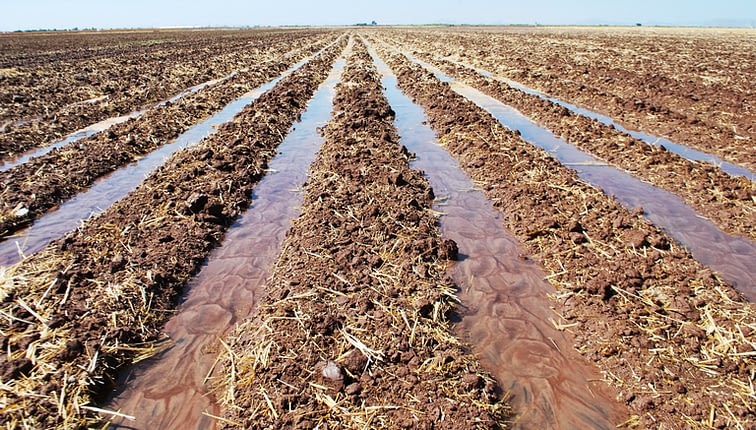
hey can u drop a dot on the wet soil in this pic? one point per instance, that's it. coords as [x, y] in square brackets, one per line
[355, 330]
[695, 87]
[96, 299]
[506, 313]
[675, 340]
[41, 102]
[707, 243]
[33, 188]
[112, 187]
[730, 202]
[163, 392]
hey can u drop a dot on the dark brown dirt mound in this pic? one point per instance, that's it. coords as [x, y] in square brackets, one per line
[355, 331]
[673, 338]
[96, 299]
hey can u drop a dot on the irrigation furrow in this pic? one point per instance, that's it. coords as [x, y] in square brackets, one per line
[507, 313]
[102, 126]
[683, 151]
[730, 202]
[111, 87]
[354, 331]
[689, 88]
[163, 392]
[96, 299]
[35, 187]
[674, 339]
[731, 257]
[107, 190]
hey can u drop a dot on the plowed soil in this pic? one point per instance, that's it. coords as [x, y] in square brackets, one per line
[359, 300]
[102, 291]
[652, 318]
[695, 87]
[44, 182]
[357, 325]
[58, 90]
[729, 201]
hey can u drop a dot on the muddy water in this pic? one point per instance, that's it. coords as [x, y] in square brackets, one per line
[507, 315]
[734, 258]
[679, 149]
[102, 126]
[111, 188]
[169, 391]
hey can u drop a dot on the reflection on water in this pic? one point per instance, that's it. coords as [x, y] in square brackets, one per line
[169, 390]
[507, 316]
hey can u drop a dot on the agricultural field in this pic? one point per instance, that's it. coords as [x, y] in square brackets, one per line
[422, 227]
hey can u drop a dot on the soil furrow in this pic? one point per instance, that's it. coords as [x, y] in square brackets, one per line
[693, 88]
[96, 299]
[355, 330]
[677, 148]
[56, 104]
[42, 183]
[506, 314]
[731, 257]
[729, 202]
[101, 126]
[227, 288]
[107, 190]
[36, 50]
[675, 340]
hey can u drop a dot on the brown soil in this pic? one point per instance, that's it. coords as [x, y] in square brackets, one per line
[729, 202]
[674, 339]
[360, 293]
[95, 300]
[46, 181]
[355, 331]
[694, 87]
[56, 91]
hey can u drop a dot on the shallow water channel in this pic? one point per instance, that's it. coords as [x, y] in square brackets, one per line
[679, 149]
[507, 317]
[111, 188]
[734, 258]
[170, 390]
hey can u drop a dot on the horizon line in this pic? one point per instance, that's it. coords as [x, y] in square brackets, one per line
[362, 25]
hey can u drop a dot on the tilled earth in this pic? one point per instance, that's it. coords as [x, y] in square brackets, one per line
[663, 328]
[46, 181]
[104, 290]
[359, 300]
[43, 101]
[694, 87]
[357, 326]
[729, 201]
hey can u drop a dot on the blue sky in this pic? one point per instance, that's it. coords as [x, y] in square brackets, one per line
[29, 14]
